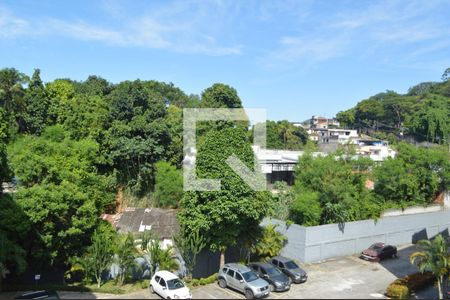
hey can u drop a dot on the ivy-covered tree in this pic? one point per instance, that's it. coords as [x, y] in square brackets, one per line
[221, 216]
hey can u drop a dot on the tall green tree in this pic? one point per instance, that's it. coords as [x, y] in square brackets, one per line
[434, 257]
[101, 252]
[221, 216]
[37, 105]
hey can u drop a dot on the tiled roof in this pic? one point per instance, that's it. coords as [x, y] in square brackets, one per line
[162, 222]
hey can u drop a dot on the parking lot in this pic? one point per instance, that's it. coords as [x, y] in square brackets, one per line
[346, 277]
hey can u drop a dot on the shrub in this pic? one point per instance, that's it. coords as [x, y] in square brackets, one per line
[418, 281]
[397, 290]
[402, 287]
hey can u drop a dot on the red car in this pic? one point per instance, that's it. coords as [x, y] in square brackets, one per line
[379, 251]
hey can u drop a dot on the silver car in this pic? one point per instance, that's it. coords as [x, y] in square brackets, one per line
[244, 280]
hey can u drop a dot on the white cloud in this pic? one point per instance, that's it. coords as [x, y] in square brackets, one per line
[383, 29]
[10, 25]
[163, 28]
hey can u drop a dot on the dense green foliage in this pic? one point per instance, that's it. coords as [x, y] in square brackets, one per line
[168, 185]
[415, 176]
[223, 216]
[62, 193]
[422, 113]
[332, 189]
[284, 135]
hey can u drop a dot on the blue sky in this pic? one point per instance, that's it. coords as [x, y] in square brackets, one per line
[294, 58]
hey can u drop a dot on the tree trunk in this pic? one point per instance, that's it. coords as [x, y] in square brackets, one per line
[440, 287]
[222, 258]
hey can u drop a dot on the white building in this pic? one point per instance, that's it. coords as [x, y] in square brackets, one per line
[376, 150]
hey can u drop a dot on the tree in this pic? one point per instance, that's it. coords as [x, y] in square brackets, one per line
[62, 193]
[14, 238]
[11, 97]
[168, 185]
[137, 136]
[270, 243]
[125, 256]
[446, 75]
[433, 257]
[431, 121]
[162, 259]
[220, 95]
[101, 253]
[37, 105]
[337, 182]
[4, 165]
[221, 216]
[189, 245]
[306, 209]
[282, 201]
[414, 176]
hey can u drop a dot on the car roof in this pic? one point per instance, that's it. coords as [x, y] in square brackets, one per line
[262, 265]
[379, 244]
[282, 258]
[166, 275]
[237, 267]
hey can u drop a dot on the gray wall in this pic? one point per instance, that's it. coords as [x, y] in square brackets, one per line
[310, 244]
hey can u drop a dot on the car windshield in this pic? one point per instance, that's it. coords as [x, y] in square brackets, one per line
[175, 284]
[249, 276]
[291, 265]
[375, 247]
[273, 271]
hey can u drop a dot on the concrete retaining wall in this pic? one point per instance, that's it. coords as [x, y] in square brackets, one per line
[316, 243]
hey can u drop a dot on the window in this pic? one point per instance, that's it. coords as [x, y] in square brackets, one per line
[239, 277]
[291, 265]
[230, 273]
[250, 276]
[157, 278]
[224, 270]
[281, 265]
[263, 271]
[162, 282]
[275, 262]
[175, 284]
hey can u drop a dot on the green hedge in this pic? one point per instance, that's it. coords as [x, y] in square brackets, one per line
[203, 281]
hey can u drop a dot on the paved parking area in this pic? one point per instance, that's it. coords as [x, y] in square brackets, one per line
[347, 277]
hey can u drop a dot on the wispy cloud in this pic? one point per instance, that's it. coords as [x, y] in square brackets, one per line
[11, 25]
[161, 29]
[381, 28]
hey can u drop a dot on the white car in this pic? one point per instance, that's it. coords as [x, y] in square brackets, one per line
[169, 286]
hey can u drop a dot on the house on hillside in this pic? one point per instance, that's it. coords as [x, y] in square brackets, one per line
[161, 222]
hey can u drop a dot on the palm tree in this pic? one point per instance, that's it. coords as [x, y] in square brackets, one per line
[433, 257]
[270, 243]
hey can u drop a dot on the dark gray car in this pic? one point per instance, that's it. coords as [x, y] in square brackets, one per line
[278, 281]
[290, 268]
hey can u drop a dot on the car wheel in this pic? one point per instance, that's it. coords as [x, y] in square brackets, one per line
[151, 289]
[222, 283]
[248, 294]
